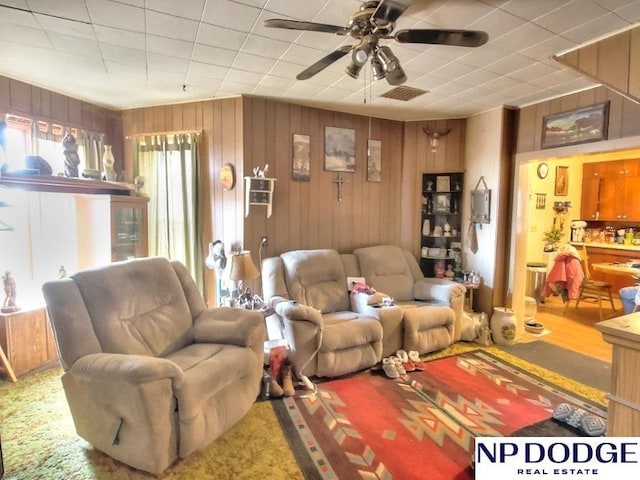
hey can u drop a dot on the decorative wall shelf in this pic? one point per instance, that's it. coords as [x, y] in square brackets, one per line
[258, 191]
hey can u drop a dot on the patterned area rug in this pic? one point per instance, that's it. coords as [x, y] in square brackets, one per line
[421, 426]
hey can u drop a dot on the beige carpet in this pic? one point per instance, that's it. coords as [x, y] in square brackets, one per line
[39, 440]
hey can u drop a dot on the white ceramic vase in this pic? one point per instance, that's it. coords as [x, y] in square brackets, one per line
[503, 326]
[108, 162]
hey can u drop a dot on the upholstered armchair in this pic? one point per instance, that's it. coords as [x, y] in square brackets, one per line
[150, 374]
[308, 289]
[396, 273]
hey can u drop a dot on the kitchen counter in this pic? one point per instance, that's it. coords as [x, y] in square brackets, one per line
[613, 246]
[623, 418]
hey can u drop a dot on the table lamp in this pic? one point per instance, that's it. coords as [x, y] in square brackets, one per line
[241, 268]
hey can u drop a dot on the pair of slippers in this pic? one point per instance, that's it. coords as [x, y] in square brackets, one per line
[401, 363]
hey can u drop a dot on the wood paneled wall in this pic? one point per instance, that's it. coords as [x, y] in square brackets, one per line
[308, 214]
[220, 123]
[612, 61]
[624, 116]
[19, 98]
[418, 158]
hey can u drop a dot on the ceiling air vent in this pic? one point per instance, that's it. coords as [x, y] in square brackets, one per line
[403, 93]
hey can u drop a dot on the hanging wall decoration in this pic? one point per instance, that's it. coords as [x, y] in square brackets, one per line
[301, 155]
[339, 149]
[562, 181]
[589, 124]
[374, 160]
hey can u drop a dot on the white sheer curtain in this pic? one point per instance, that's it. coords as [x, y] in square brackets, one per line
[169, 165]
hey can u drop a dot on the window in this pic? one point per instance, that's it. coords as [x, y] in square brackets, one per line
[37, 137]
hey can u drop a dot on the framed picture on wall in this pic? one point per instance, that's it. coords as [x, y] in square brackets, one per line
[339, 149]
[301, 155]
[562, 181]
[589, 124]
[374, 161]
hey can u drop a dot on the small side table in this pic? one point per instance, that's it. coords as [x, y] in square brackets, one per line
[471, 287]
[26, 341]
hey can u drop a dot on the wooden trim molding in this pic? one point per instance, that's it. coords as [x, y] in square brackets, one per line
[48, 183]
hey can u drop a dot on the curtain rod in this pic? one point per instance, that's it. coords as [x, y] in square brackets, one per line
[175, 132]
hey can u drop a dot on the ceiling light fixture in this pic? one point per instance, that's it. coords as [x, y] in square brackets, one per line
[391, 65]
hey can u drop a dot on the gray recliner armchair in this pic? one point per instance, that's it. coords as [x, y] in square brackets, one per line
[150, 374]
[308, 289]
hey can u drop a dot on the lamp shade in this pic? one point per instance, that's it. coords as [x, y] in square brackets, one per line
[241, 267]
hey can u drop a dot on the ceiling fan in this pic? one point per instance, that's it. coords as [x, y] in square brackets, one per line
[375, 21]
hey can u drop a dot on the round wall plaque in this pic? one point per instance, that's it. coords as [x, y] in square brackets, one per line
[228, 176]
[543, 170]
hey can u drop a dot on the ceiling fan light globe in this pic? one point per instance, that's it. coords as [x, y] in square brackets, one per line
[396, 76]
[377, 70]
[359, 56]
[353, 69]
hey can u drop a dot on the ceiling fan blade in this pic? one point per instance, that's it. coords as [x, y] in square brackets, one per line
[309, 26]
[391, 9]
[458, 38]
[324, 62]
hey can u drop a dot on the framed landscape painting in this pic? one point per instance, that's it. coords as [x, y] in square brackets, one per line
[339, 149]
[374, 161]
[589, 124]
[301, 167]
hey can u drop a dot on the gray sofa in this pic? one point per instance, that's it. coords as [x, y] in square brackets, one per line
[150, 374]
[331, 332]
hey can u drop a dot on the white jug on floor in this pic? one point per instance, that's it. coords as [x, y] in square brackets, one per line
[503, 326]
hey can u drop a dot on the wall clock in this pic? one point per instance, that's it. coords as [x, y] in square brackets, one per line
[543, 170]
[228, 176]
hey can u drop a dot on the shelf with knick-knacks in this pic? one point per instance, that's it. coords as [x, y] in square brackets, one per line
[441, 238]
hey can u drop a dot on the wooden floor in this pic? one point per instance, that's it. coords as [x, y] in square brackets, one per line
[576, 330]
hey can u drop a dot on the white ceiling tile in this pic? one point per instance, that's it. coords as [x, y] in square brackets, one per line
[459, 14]
[630, 12]
[126, 53]
[229, 14]
[497, 23]
[613, 4]
[168, 64]
[127, 70]
[300, 9]
[71, 9]
[531, 10]
[193, 12]
[18, 17]
[116, 15]
[120, 37]
[202, 83]
[24, 35]
[253, 63]
[570, 15]
[67, 27]
[220, 37]
[509, 64]
[214, 55]
[165, 25]
[79, 46]
[208, 71]
[599, 27]
[265, 47]
[169, 46]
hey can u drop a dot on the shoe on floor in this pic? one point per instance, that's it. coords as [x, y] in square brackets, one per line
[398, 363]
[287, 380]
[415, 358]
[389, 367]
[407, 363]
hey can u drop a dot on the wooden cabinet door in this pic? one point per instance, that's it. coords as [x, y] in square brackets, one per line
[589, 209]
[608, 191]
[630, 207]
